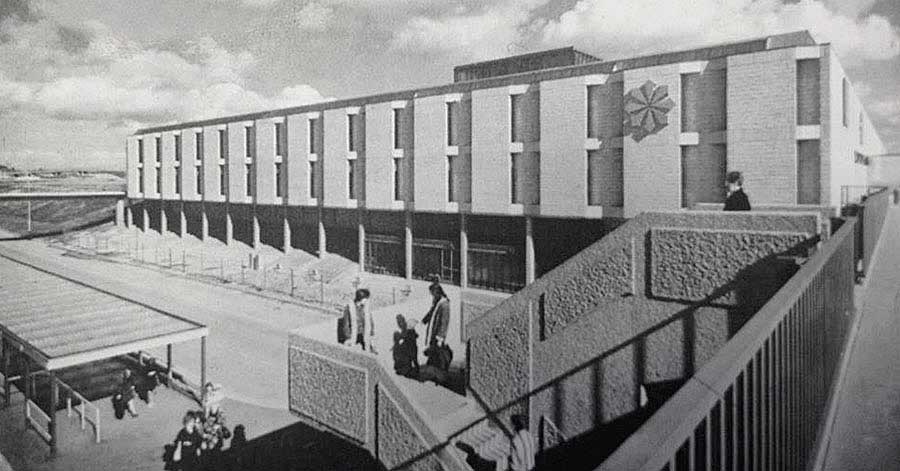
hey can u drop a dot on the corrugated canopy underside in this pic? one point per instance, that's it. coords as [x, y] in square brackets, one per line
[63, 323]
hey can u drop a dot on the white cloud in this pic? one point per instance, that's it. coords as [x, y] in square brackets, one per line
[113, 80]
[313, 16]
[485, 33]
[615, 29]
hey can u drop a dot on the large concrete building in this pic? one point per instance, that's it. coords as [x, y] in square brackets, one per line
[496, 178]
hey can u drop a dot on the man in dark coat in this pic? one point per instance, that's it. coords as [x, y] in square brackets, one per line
[737, 200]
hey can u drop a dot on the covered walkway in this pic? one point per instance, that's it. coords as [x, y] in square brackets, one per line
[49, 323]
[865, 434]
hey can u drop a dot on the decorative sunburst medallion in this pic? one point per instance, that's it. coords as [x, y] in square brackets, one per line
[646, 108]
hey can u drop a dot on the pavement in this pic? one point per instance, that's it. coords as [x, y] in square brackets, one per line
[865, 434]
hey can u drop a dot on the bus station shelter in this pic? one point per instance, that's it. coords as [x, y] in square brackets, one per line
[51, 322]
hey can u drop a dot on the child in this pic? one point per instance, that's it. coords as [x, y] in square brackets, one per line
[406, 352]
[187, 445]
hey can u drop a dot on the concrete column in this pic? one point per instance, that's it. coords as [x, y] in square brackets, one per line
[203, 366]
[26, 382]
[463, 253]
[229, 228]
[182, 226]
[361, 240]
[529, 251]
[287, 235]
[408, 244]
[54, 398]
[6, 383]
[163, 222]
[204, 224]
[120, 213]
[146, 226]
[169, 363]
[255, 220]
[322, 235]
[129, 217]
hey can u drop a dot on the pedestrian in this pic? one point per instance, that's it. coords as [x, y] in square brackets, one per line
[186, 454]
[362, 323]
[406, 352]
[737, 200]
[127, 392]
[438, 322]
[522, 456]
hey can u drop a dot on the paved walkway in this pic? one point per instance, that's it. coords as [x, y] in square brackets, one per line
[866, 431]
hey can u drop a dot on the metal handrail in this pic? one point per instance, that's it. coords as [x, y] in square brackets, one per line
[782, 324]
[82, 408]
[30, 406]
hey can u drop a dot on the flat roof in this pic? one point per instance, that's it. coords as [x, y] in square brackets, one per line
[59, 322]
[771, 42]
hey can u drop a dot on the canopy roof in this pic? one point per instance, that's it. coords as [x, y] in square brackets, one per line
[59, 322]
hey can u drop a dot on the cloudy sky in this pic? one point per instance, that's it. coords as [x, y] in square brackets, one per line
[77, 76]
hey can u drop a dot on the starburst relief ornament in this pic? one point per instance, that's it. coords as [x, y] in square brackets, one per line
[646, 108]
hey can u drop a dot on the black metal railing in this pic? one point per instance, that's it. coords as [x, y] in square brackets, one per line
[759, 402]
[869, 205]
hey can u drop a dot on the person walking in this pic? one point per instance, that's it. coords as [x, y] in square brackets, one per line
[438, 317]
[737, 200]
[362, 323]
[127, 391]
[186, 455]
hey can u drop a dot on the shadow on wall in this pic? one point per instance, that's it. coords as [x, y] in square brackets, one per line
[297, 447]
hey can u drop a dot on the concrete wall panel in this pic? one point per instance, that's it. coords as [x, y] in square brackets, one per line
[652, 164]
[762, 124]
[264, 162]
[168, 166]
[429, 166]
[211, 171]
[131, 170]
[188, 167]
[379, 144]
[332, 393]
[334, 160]
[563, 163]
[297, 159]
[397, 440]
[237, 180]
[695, 265]
[490, 151]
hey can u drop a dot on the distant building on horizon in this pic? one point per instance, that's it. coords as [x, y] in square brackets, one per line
[496, 178]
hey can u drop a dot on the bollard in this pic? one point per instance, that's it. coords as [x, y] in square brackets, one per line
[394, 294]
[292, 282]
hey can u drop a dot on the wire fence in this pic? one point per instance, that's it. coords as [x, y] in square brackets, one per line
[323, 286]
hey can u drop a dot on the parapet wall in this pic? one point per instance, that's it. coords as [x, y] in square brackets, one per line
[648, 303]
[348, 392]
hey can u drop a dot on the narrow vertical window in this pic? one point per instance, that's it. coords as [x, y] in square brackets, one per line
[222, 179]
[351, 132]
[311, 136]
[279, 180]
[397, 127]
[223, 144]
[593, 112]
[452, 113]
[514, 178]
[845, 102]
[199, 182]
[158, 180]
[249, 141]
[515, 110]
[351, 180]
[141, 180]
[396, 169]
[177, 180]
[279, 139]
[590, 180]
[451, 179]
[140, 151]
[198, 146]
[248, 171]
[178, 147]
[312, 179]
[158, 149]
